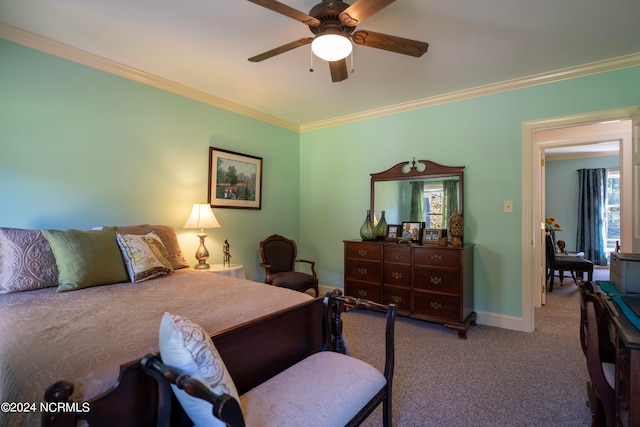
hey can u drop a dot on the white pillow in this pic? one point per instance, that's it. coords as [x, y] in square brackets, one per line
[184, 345]
[145, 256]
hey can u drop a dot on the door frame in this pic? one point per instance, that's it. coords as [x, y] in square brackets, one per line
[532, 196]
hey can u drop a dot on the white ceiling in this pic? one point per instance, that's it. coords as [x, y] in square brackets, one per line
[602, 148]
[204, 45]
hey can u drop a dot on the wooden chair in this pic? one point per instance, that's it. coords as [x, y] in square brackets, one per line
[572, 265]
[600, 355]
[279, 261]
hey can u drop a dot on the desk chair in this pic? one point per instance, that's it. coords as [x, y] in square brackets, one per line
[571, 264]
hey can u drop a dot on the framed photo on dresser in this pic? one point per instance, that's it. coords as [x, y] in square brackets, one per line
[430, 236]
[411, 231]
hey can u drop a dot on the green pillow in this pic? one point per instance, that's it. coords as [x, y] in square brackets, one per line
[86, 258]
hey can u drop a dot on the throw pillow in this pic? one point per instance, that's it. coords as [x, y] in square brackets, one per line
[86, 258]
[145, 256]
[185, 346]
[26, 261]
[168, 236]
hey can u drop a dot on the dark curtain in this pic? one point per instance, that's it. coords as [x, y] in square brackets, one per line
[592, 200]
[450, 200]
[417, 201]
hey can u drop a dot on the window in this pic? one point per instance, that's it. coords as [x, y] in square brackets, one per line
[433, 205]
[612, 210]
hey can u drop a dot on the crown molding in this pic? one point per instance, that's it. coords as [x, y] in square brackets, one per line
[46, 45]
[62, 50]
[613, 64]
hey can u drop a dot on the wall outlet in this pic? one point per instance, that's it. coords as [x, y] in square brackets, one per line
[508, 206]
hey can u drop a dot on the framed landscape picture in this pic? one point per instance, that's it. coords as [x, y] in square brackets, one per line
[235, 180]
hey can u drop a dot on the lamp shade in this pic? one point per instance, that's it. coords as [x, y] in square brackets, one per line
[202, 217]
[331, 46]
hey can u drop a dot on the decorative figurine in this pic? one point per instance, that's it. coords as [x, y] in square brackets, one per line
[227, 256]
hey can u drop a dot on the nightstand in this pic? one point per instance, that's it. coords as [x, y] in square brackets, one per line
[233, 270]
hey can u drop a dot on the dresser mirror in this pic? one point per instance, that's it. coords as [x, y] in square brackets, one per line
[420, 190]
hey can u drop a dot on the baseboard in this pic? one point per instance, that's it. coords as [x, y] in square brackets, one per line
[502, 321]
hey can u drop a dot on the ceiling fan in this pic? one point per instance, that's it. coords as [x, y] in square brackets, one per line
[335, 22]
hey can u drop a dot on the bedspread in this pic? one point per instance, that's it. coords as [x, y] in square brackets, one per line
[84, 336]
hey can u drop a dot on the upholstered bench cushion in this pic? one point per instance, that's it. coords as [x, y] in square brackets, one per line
[325, 389]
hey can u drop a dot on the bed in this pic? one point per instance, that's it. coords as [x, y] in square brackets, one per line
[89, 335]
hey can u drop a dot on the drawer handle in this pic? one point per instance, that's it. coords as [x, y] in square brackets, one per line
[362, 292]
[396, 299]
[362, 270]
[362, 252]
[436, 305]
[396, 256]
[396, 275]
[436, 280]
[436, 258]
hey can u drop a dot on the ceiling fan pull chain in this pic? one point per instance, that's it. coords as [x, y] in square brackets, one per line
[351, 70]
[311, 61]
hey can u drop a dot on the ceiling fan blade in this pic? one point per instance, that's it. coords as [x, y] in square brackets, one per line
[361, 10]
[281, 49]
[285, 10]
[338, 70]
[390, 43]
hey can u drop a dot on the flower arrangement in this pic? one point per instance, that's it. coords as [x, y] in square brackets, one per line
[551, 226]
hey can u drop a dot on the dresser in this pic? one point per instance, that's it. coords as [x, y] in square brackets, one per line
[427, 282]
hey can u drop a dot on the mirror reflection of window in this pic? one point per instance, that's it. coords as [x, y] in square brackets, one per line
[433, 195]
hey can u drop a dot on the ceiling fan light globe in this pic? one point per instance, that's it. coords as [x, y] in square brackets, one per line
[331, 47]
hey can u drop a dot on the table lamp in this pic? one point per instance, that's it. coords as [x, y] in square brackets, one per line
[202, 217]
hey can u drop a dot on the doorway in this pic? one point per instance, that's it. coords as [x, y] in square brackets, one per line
[533, 270]
[560, 181]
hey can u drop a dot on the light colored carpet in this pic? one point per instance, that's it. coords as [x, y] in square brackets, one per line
[496, 377]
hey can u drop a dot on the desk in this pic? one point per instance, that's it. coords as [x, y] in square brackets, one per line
[233, 270]
[626, 338]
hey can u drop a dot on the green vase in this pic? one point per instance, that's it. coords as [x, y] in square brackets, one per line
[368, 231]
[381, 228]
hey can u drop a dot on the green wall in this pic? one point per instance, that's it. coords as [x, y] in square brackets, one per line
[81, 148]
[483, 134]
[561, 191]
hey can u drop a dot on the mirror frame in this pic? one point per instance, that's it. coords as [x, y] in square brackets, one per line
[431, 170]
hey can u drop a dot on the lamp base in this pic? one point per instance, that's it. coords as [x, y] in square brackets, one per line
[202, 254]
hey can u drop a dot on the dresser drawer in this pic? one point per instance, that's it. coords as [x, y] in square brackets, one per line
[437, 279]
[363, 290]
[397, 254]
[399, 296]
[366, 251]
[437, 257]
[443, 307]
[397, 274]
[368, 271]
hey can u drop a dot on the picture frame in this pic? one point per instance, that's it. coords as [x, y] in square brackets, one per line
[430, 236]
[411, 230]
[235, 180]
[392, 231]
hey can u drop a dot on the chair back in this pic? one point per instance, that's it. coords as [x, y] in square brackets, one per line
[279, 252]
[598, 349]
[550, 252]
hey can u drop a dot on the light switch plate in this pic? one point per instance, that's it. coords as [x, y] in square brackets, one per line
[508, 206]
